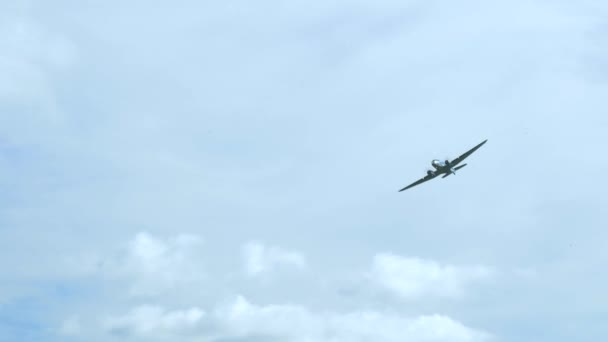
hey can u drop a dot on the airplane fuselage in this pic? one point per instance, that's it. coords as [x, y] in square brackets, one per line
[442, 167]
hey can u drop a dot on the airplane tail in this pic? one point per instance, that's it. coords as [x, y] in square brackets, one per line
[455, 169]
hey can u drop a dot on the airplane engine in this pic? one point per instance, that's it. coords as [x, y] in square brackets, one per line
[447, 162]
[429, 173]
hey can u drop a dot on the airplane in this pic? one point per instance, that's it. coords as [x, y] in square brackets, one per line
[444, 168]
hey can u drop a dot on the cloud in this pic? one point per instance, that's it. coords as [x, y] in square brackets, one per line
[242, 320]
[154, 265]
[414, 278]
[250, 117]
[260, 258]
[152, 320]
[295, 323]
[166, 263]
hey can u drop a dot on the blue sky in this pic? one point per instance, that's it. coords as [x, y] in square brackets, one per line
[204, 171]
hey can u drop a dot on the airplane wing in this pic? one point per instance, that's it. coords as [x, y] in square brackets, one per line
[466, 154]
[420, 181]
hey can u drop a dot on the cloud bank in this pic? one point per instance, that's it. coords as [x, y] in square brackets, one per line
[414, 278]
[279, 132]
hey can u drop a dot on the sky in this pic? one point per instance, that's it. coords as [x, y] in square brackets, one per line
[228, 171]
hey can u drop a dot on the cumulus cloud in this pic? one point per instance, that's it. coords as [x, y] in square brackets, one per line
[155, 265]
[164, 261]
[242, 320]
[152, 320]
[412, 278]
[295, 323]
[260, 258]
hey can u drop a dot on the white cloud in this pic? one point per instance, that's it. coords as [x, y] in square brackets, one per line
[165, 264]
[156, 265]
[298, 324]
[154, 255]
[260, 258]
[152, 320]
[412, 278]
[241, 319]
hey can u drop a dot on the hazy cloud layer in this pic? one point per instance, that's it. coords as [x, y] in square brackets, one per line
[159, 160]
